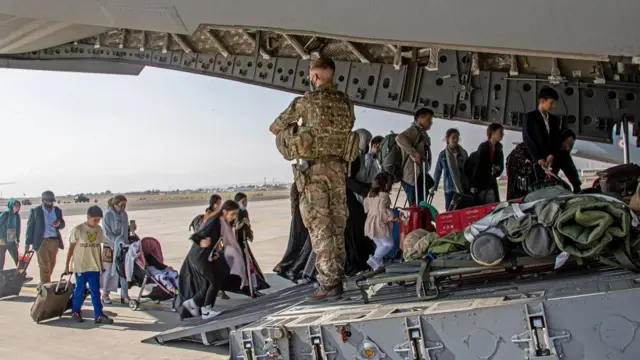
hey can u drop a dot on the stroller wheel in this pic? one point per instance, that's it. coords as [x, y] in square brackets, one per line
[134, 305]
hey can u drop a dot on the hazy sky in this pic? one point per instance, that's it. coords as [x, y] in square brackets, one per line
[163, 129]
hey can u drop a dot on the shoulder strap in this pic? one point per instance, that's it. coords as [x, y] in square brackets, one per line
[5, 218]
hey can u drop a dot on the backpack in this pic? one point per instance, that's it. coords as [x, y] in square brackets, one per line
[195, 223]
[470, 165]
[390, 156]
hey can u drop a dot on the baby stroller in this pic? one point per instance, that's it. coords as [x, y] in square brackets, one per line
[143, 272]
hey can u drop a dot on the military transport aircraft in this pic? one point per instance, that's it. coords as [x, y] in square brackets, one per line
[476, 61]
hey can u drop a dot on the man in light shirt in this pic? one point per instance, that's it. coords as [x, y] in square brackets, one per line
[43, 234]
[85, 260]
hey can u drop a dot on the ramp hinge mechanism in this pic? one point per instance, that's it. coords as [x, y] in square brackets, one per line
[248, 348]
[316, 340]
[538, 341]
[417, 347]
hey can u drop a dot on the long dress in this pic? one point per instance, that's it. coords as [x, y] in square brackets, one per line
[115, 226]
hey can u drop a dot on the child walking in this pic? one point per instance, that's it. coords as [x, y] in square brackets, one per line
[85, 260]
[379, 223]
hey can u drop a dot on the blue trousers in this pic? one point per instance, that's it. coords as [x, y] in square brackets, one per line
[410, 191]
[92, 278]
[448, 198]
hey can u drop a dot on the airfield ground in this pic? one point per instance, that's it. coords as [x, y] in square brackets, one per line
[21, 338]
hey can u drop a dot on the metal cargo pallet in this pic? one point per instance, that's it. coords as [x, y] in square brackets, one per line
[579, 315]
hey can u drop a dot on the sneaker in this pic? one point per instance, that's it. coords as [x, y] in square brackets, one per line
[77, 317]
[373, 263]
[103, 320]
[191, 307]
[209, 313]
[327, 294]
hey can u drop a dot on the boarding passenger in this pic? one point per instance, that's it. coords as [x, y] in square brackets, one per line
[205, 269]
[541, 131]
[299, 245]
[43, 234]
[380, 218]
[450, 163]
[116, 229]
[10, 232]
[214, 205]
[215, 201]
[244, 235]
[416, 144]
[358, 247]
[363, 147]
[371, 163]
[486, 165]
[330, 114]
[84, 258]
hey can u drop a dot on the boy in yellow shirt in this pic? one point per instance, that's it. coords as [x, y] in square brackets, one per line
[86, 252]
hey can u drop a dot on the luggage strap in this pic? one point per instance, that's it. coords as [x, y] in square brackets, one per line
[623, 260]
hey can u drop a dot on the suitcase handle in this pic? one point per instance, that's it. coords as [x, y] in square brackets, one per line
[424, 181]
[66, 286]
[28, 255]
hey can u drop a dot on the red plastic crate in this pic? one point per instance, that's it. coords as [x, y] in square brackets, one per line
[471, 215]
[447, 223]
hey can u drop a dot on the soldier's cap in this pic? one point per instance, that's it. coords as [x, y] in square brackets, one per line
[323, 63]
[48, 196]
[94, 211]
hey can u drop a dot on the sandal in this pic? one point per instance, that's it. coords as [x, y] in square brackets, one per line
[223, 295]
[124, 300]
[106, 300]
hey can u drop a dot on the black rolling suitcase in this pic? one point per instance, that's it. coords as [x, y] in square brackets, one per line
[11, 280]
[52, 299]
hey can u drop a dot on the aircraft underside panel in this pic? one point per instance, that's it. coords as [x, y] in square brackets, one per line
[569, 26]
[588, 317]
[448, 83]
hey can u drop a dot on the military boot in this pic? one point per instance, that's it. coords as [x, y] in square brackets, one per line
[327, 293]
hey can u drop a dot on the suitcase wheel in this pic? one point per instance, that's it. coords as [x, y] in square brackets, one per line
[134, 305]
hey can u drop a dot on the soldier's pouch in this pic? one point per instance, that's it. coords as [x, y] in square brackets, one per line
[296, 142]
[352, 148]
[300, 178]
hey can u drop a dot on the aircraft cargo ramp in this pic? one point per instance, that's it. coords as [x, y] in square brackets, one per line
[582, 312]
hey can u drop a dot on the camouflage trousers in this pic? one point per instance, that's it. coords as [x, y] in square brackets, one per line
[323, 205]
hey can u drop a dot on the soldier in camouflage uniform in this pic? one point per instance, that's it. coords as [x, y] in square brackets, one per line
[323, 204]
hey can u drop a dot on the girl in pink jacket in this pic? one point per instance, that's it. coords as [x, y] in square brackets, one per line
[379, 223]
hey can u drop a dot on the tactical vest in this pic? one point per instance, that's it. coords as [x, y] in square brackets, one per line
[325, 129]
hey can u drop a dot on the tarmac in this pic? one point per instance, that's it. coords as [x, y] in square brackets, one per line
[21, 337]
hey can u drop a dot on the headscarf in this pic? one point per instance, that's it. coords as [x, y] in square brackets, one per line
[13, 220]
[365, 139]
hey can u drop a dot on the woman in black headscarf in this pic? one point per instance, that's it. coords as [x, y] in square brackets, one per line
[244, 235]
[299, 246]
